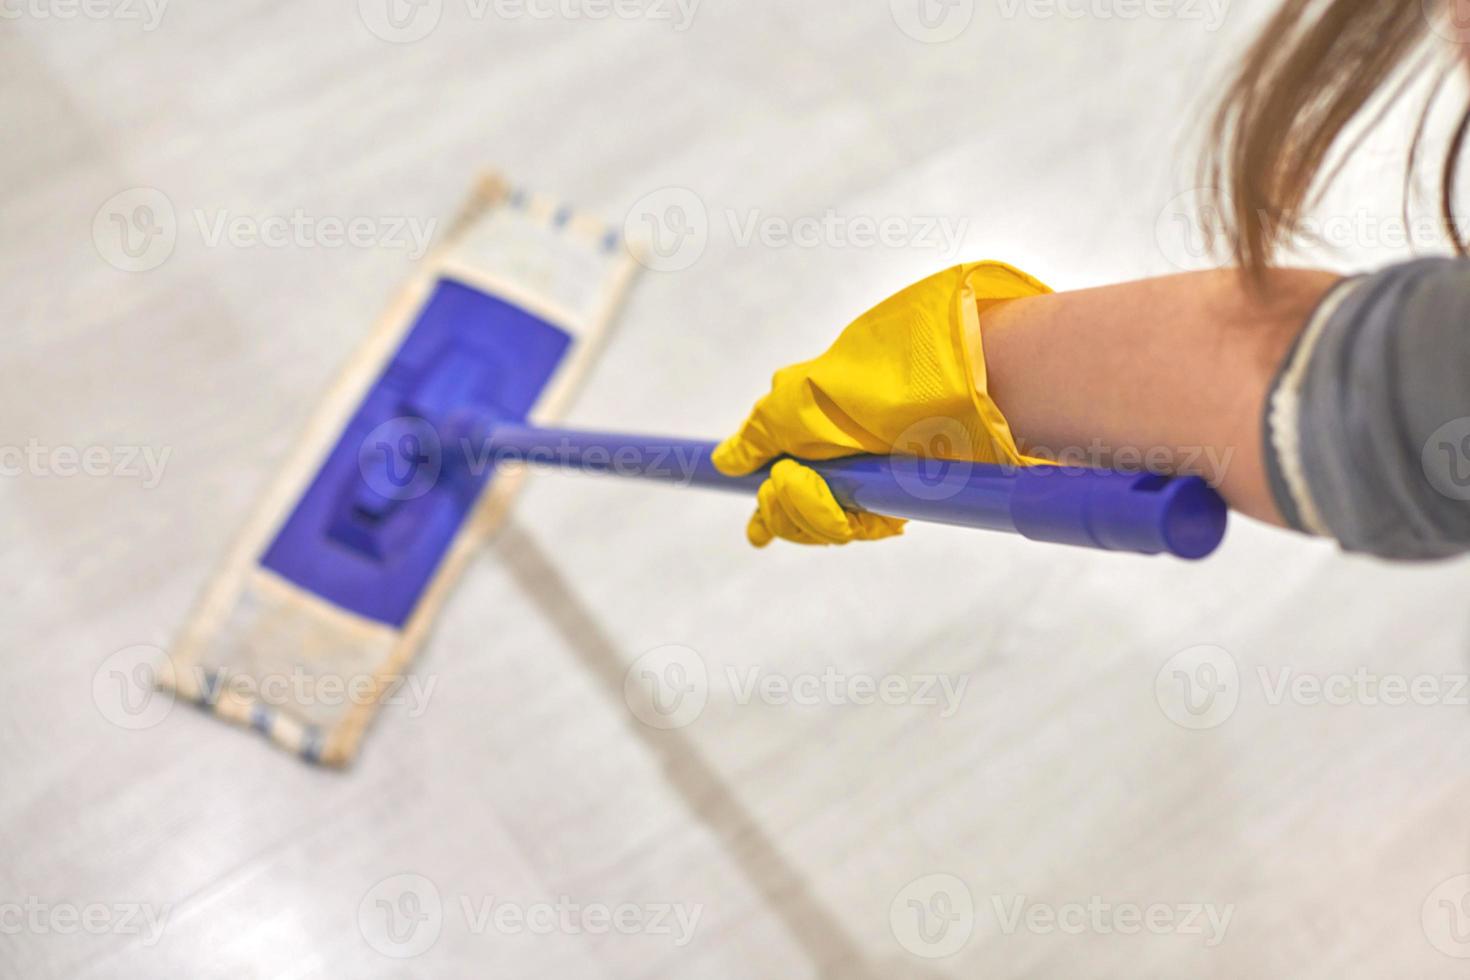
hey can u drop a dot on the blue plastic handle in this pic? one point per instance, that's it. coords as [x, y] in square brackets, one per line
[1136, 512]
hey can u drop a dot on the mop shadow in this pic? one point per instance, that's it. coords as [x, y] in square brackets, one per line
[787, 894]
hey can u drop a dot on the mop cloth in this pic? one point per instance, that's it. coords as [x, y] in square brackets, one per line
[314, 616]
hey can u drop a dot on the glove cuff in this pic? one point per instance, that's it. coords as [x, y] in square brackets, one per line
[985, 283]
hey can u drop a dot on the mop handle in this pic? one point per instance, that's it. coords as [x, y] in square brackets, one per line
[1136, 512]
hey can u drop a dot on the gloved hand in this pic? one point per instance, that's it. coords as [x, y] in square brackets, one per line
[908, 376]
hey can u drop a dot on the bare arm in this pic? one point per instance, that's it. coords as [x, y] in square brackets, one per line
[1171, 373]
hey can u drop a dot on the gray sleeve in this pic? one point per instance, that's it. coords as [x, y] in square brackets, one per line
[1367, 428]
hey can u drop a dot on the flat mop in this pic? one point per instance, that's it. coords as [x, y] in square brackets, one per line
[335, 580]
[404, 473]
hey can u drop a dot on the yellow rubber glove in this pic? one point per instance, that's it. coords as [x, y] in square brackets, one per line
[908, 376]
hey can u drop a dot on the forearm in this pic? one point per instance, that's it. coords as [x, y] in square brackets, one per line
[1171, 373]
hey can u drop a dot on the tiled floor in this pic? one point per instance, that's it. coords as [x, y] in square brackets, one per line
[1051, 802]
